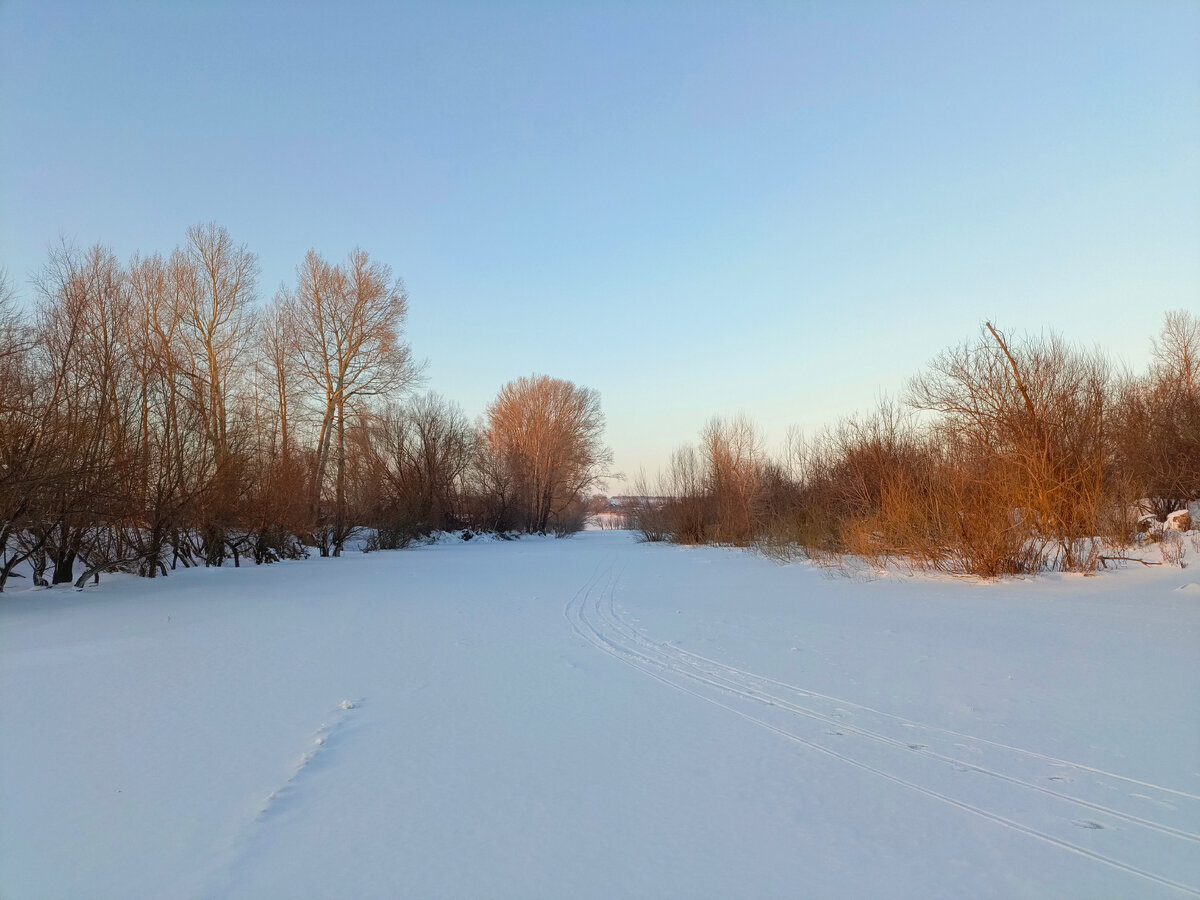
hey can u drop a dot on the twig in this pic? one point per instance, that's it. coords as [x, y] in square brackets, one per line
[1104, 560]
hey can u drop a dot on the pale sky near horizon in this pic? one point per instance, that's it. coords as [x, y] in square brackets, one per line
[783, 209]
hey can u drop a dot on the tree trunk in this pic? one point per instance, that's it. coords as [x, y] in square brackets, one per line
[95, 570]
[64, 567]
[323, 443]
[339, 520]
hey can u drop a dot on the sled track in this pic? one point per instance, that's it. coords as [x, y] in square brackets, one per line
[972, 774]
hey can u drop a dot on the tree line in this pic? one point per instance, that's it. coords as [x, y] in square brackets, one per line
[154, 414]
[1004, 456]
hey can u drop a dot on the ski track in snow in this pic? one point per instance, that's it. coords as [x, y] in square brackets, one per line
[1016, 788]
[240, 847]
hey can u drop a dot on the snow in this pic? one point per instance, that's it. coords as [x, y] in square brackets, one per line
[595, 717]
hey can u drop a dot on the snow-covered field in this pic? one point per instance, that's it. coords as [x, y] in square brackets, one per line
[599, 718]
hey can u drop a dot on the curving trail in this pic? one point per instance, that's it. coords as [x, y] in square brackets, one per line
[1111, 818]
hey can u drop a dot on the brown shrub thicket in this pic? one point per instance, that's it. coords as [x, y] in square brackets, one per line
[1156, 428]
[417, 457]
[1008, 456]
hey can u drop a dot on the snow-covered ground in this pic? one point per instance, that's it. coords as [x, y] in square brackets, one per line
[599, 718]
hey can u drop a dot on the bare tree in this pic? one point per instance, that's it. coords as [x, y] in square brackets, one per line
[548, 435]
[276, 506]
[734, 460]
[418, 456]
[491, 491]
[215, 283]
[277, 340]
[1037, 410]
[84, 372]
[15, 338]
[172, 463]
[347, 323]
[1156, 431]
[21, 472]
[1177, 350]
[218, 296]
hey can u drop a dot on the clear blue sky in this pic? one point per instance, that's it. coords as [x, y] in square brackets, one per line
[696, 208]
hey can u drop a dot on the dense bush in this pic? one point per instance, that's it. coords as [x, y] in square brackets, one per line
[1007, 457]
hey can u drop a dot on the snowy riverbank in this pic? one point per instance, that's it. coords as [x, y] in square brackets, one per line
[599, 718]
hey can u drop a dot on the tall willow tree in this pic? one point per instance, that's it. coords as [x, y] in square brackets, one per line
[547, 435]
[346, 321]
[215, 281]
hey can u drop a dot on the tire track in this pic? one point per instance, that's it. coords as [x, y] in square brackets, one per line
[908, 723]
[593, 616]
[749, 685]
